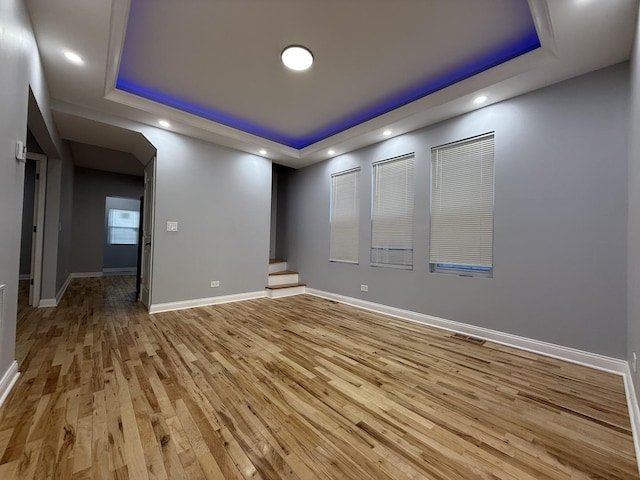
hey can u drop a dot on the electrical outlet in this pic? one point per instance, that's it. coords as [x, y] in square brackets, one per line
[215, 283]
[635, 362]
[364, 288]
[172, 226]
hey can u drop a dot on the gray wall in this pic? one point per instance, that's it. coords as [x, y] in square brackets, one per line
[633, 286]
[21, 69]
[560, 219]
[27, 217]
[221, 199]
[91, 188]
[65, 223]
[119, 256]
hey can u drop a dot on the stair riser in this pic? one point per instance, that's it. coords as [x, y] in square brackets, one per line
[283, 279]
[277, 267]
[285, 292]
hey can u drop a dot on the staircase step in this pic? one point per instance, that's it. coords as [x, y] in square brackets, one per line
[276, 260]
[277, 291]
[284, 272]
[276, 266]
[283, 278]
[286, 285]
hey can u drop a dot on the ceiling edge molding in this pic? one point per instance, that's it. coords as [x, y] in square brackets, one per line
[117, 32]
[544, 26]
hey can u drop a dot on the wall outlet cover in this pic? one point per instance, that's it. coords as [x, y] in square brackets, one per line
[172, 226]
[364, 288]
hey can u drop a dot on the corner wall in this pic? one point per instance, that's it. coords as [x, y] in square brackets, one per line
[633, 254]
[560, 231]
[21, 70]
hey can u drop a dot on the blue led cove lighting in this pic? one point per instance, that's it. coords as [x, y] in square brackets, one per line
[527, 43]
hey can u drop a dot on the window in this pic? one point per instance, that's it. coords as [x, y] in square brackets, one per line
[462, 207]
[392, 213]
[345, 214]
[123, 227]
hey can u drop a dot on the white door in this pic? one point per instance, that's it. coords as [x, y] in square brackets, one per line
[147, 230]
[37, 240]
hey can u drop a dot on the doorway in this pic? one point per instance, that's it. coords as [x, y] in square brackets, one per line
[33, 209]
[122, 221]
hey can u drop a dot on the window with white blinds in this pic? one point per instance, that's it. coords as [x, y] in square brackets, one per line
[392, 213]
[345, 216]
[462, 184]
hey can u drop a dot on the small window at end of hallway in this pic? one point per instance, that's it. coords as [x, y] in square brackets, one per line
[123, 227]
[462, 187]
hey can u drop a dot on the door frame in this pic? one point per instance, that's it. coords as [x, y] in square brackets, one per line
[148, 226]
[37, 244]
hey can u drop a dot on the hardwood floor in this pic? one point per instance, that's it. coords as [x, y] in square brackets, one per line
[294, 388]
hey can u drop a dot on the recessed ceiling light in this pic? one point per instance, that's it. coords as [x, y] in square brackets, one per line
[386, 133]
[262, 151]
[164, 123]
[73, 57]
[297, 57]
[480, 99]
[331, 152]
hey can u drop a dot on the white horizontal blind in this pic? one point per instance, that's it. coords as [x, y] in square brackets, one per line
[123, 227]
[462, 202]
[345, 215]
[392, 213]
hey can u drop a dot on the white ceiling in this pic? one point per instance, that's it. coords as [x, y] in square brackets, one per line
[223, 55]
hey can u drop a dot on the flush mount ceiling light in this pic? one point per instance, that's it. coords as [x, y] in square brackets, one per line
[331, 152]
[73, 57]
[386, 133]
[297, 57]
[164, 123]
[480, 99]
[262, 151]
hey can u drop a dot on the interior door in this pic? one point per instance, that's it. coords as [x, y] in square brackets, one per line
[37, 241]
[147, 234]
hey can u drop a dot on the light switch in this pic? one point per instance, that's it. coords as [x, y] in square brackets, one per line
[172, 226]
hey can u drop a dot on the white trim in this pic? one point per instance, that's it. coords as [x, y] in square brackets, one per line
[8, 380]
[47, 303]
[86, 274]
[203, 302]
[119, 271]
[63, 289]
[37, 242]
[581, 357]
[634, 411]
[24, 276]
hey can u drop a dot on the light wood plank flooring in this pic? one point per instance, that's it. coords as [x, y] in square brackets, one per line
[295, 388]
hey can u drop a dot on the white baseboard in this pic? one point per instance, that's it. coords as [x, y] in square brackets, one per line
[24, 276]
[119, 271]
[54, 302]
[634, 411]
[588, 359]
[8, 380]
[203, 302]
[47, 303]
[86, 274]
